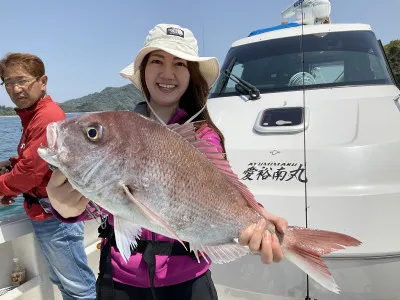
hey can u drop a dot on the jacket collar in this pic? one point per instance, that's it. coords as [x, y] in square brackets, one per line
[26, 114]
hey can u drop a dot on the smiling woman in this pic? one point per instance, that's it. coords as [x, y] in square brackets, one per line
[175, 82]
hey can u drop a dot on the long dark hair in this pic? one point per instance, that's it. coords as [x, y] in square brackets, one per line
[194, 98]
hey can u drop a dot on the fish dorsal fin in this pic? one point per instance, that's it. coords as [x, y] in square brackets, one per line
[195, 138]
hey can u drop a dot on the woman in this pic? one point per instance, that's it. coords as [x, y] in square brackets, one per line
[175, 82]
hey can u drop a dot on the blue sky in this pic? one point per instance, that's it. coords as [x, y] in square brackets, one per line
[84, 44]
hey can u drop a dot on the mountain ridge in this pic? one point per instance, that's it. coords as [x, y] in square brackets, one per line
[109, 99]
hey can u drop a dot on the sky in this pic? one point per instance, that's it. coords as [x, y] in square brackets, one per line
[86, 43]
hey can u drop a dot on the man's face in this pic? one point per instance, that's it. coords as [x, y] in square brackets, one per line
[23, 88]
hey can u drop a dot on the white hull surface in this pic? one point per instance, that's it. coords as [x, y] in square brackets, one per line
[18, 240]
[353, 187]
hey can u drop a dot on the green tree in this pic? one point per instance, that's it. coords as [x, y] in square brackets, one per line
[88, 106]
[392, 51]
[6, 111]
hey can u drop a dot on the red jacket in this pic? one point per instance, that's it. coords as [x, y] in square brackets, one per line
[30, 174]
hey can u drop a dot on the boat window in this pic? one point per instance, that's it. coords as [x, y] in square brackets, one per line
[236, 70]
[331, 59]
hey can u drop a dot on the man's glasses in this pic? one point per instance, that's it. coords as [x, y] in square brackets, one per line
[9, 84]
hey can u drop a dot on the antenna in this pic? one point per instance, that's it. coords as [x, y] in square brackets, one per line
[204, 46]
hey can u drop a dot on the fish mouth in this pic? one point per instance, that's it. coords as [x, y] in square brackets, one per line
[50, 152]
[52, 133]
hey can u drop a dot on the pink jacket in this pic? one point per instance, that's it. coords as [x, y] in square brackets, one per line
[169, 269]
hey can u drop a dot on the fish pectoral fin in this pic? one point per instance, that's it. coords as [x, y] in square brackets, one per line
[220, 254]
[126, 232]
[151, 214]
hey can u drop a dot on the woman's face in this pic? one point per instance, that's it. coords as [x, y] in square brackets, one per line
[167, 78]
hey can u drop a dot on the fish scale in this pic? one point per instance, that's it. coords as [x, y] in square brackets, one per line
[179, 168]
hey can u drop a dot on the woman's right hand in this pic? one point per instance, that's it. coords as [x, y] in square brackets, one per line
[67, 201]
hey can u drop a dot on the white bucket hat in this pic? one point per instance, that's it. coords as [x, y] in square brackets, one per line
[177, 41]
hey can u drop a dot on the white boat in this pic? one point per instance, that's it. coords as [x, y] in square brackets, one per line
[339, 112]
[341, 116]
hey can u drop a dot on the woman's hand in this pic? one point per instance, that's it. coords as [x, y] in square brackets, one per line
[260, 240]
[67, 201]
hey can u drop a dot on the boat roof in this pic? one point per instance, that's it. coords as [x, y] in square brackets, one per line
[295, 29]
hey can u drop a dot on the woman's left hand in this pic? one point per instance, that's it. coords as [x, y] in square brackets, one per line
[260, 240]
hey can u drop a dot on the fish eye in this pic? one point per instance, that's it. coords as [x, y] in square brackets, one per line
[94, 133]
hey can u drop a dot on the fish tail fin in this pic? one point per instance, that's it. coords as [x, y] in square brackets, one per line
[304, 247]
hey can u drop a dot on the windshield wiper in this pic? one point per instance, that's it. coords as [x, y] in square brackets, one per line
[254, 93]
[225, 79]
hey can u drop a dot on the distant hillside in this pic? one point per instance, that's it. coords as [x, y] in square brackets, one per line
[6, 111]
[111, 98]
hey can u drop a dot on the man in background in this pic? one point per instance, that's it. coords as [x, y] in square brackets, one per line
[23, 76]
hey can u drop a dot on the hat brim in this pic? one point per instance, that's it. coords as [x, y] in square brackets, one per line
[209, 66]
